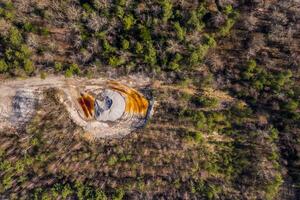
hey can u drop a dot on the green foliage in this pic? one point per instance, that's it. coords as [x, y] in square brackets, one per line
[115, 61]
[205, 101]
[150, 56]
[43, 75]
[112, 160]
[120, 11]
[167, 7]
[125, 44]
[58, 66]
[128, 22]
[67, 191]
[209, 40]
[145, 33]
[119, 195]
[180, 32]
[87, 7]
[174, 65]
[201, 11]
[194, 23]
[198, 54]
[28, 67]
[73, 68]
[291, 106]
[273, 188]
[195, 136]
[107, 47]
[228, 9]
[3, 66]
[15, 37]
[225, 30]
[139, 48]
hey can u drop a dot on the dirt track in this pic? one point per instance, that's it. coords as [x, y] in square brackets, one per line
[18, 100]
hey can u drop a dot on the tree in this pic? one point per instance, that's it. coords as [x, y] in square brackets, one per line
[128, 22]
[125, 44]
[15, 37]
[180, 32]
[3, 66]
[167, 7]
[28, 66]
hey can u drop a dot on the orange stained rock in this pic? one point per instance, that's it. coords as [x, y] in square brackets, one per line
[86, 102]
[136, 103]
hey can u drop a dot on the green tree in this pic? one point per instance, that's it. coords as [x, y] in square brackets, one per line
[15, 37]
[167, 7]
[58, 66]
[125, 44]
[150, 56]
[180, 32]
[128, 22]
[139, 48]
[3, 66]
[28, 66]
[116, 61]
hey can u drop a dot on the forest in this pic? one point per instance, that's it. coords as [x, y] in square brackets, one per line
[225, 77]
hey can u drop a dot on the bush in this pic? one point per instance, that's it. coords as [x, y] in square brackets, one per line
[145, 34]
[139, 48]
[28, 66]
[194, 22]
[224, 31]
[174, 66]
[180, 32]
[68, 73]
[209, 40]
[291, 106]
[116, 61]
[125, 44]
[3, 66]
[15, 37]
[128, 22]
[150, 56]
[205, 101]
[167, 7]
[58, 66]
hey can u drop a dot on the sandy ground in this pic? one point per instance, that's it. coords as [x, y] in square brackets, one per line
[19, 98]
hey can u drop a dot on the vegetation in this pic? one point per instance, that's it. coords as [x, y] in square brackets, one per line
[226, 79]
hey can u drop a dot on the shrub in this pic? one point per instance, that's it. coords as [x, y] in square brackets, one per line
[224, 31]
[167, 7]
[116, 61]
[3, 66]
[58, 66]
[68, 73]
[125, 44]
[145, 33]
[209, 40]
[174, 64]
[228, 9]
[107, 47]
[28, 66]
[112, 160]
[43, 75]
[120, 11]
[194, 22]
[74, 68]
[128, 22]
[205, 101]
[201, 11]
[291, 106]
[150, 56]
[15, 37]
[180, 32]
[139, 48]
